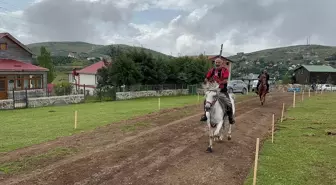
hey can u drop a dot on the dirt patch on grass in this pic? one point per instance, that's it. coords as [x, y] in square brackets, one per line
[331, 132]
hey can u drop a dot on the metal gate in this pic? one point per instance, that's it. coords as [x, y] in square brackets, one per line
[20, 99]
[192, 89]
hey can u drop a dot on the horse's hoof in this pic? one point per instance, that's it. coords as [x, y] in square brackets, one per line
[221, 138]
[209, 150]
[229, 138]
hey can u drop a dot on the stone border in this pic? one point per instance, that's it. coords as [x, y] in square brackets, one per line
[45, 101]
[140, 94]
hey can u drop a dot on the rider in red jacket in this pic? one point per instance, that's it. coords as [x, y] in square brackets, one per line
[220, 74]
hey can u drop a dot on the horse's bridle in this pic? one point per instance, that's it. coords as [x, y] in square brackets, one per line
[215, 99]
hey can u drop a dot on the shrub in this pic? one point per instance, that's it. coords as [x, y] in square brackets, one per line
[63, 88]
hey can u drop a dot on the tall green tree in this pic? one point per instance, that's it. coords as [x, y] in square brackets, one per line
[45, 60]
[123, 71]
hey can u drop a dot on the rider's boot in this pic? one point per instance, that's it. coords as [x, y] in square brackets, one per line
[230, 115]
[203, 118]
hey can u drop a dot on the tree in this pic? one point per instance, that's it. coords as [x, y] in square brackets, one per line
[103, 79]
[139, 66]
[286, 79]
[44, 60]
[123, 71]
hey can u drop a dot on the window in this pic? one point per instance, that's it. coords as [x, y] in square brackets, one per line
[21, 82]
[3, 46]
[18, 84]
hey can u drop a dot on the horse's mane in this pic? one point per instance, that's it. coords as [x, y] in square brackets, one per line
[211, 86]
[214, 86]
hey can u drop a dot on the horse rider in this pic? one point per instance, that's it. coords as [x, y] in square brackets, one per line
[267, 78]
[220, 74]
[313, 86]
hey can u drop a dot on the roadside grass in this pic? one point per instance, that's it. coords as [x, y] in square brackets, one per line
[26, 127]
[304, 149]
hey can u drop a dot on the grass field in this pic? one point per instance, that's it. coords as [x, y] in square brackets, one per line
[20, 128]
[25, 127]
[303, 153]
[61, 77]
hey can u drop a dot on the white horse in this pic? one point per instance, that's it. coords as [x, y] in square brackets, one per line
[216, 116]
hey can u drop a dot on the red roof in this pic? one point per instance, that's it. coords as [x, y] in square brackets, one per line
[16, 41]
[14, 65]
[92, 69]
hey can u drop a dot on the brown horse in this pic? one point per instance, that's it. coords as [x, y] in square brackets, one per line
[262, 90]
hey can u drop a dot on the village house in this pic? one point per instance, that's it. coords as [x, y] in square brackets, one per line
[17, 73]
[309, 74]
[86, 77]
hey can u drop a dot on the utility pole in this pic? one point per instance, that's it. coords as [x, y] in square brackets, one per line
[221, 50]
[220, 54]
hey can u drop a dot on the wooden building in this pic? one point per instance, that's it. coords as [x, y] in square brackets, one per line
[309, 74]
[17, 72]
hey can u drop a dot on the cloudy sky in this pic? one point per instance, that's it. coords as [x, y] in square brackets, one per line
[173, 26]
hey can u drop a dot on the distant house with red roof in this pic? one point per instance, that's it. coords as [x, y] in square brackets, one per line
[16, 69]
[87, 76]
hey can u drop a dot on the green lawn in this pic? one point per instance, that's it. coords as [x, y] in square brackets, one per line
[303, 153]
[20, 128]
[61, 77]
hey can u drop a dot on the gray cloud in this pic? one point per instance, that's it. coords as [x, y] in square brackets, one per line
[239, 24]
[297, 20]
[74, 20]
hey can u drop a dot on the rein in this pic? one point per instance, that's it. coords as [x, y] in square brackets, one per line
[214, 101]
[213, 125]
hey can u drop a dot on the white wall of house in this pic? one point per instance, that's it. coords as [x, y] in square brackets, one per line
[87, 80]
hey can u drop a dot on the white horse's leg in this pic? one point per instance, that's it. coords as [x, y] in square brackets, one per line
[209, 149]
[221, 137]
[229, 132]
[219, 126]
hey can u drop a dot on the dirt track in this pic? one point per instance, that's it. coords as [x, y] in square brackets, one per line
[170, 151]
